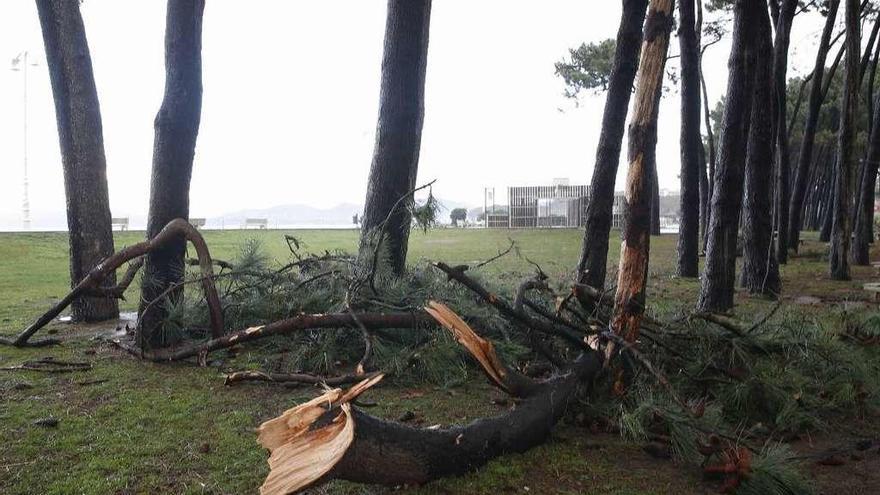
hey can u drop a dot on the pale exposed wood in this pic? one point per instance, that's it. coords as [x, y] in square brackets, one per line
[633, 271]
[480, 348]
[307, 441]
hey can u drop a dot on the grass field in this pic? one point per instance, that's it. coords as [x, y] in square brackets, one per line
[133, 427]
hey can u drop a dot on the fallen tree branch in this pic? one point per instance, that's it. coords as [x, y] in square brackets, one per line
[327, 439]
[289, 325]
[296, 378]
[500, 254]
[457, 274]
[722, 321]
[390, 453]
[222, 264]
[483, 351]
[49, 365]
[118, 290]
[175, 228]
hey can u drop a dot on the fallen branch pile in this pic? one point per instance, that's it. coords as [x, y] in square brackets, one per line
[319, 320]
[327, 438]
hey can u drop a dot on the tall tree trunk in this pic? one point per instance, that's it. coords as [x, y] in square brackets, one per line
[871, 109]
[710, 136]
[80, 133]
[176, 128]
[655, 203]
[594, 251]
[795, 208]
[629, 300]
[705, 181]
[760, 271]
[828, 201]
[704, 200]
[783, 161]
[841, 228]
[814, 184]
[691, 142]
[399, 131]
[864, 218]
[719, 275]
[860, 256]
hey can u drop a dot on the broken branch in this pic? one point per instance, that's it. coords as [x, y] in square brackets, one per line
[175, 228]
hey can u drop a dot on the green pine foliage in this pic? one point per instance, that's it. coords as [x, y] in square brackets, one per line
[751, 388]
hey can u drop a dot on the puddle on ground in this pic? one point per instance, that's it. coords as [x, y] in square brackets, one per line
[111, 329]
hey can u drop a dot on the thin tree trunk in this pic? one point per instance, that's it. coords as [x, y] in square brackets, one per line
[705, 160]
[719, 275]
[864, 218]
[594, 251]
[710, 135]
[629, 300]
[809, 138]
[399, 131]
[704, 200]
[798, 102]
[828, 203]
[813, 185]
[869, 91]
[176, 128]
[841, 228]
[80, 134]
[870, 105]
[691, 142]
[869, 48]
[861, 170]
[760, 271]
[783, 161]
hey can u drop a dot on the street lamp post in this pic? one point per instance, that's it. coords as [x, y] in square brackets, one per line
[20, 63]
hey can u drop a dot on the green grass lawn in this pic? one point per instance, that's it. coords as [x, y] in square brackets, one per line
[133, 427]
[34, 272]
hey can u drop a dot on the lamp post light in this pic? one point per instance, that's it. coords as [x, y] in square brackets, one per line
[20, 64]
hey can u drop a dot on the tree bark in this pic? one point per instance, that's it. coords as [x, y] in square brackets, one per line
[655, 203]
[710, 135]
[176, 127]
[719, 275]
[390, 453]
[864, 218]
[398, 132]
[80, 134]
[783, 161]
[760, 271]
[809, 138]
[828, 202]
[704, 200]
[175, 230]
[629, 300]
[594, 251]
[691, 142]
[841, 228]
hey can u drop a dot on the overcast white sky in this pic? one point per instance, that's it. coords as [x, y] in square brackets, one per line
[291, 95]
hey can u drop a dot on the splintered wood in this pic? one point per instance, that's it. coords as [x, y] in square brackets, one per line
[308, 440]
[481, 349]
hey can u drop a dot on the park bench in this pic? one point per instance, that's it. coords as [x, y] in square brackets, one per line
[873, 287]
[259, 223]
[197, 222]
[121, 223]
